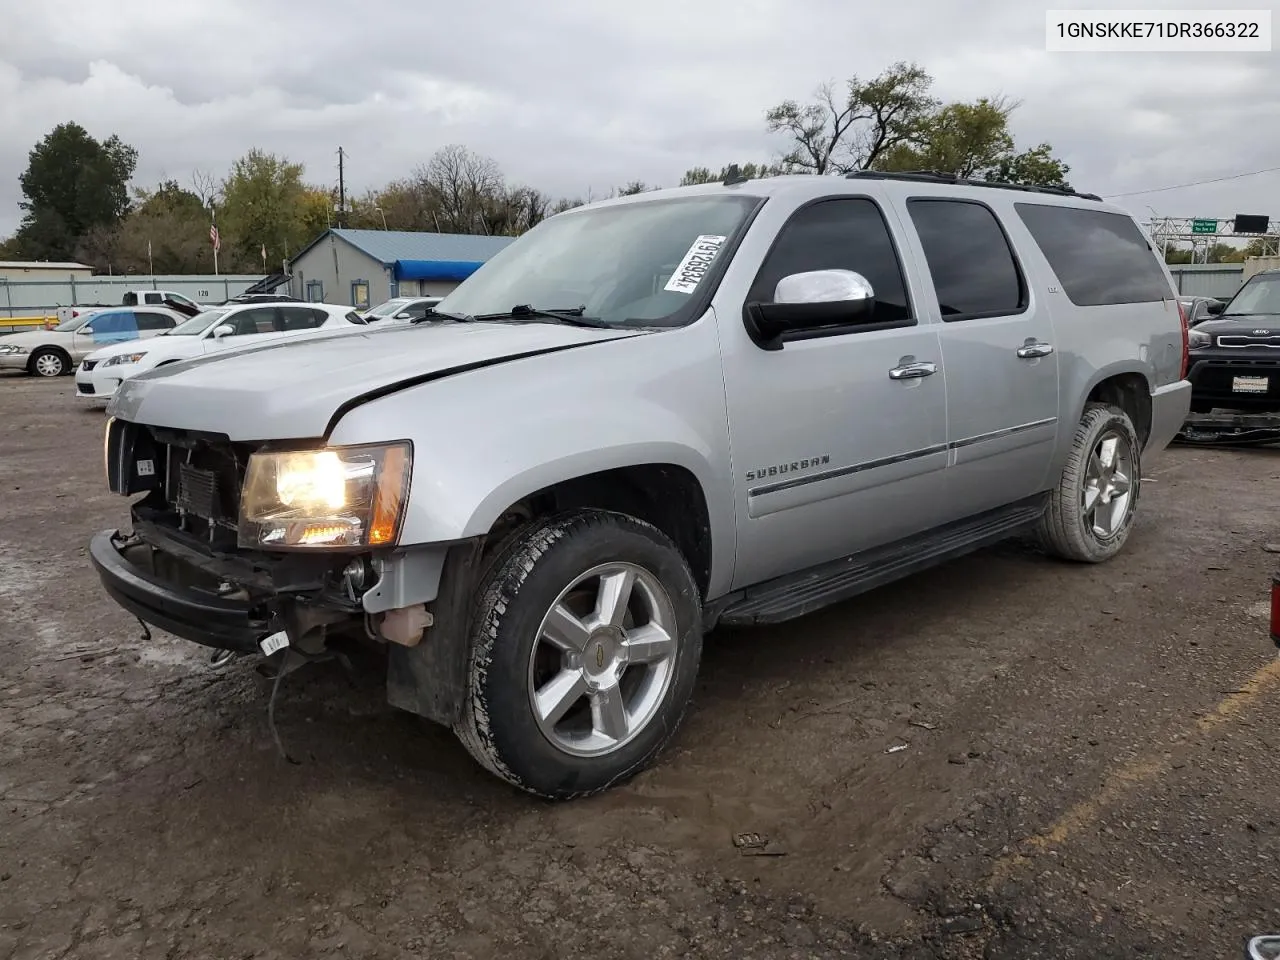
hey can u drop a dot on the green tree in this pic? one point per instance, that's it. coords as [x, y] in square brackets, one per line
[752, 171]
[1036, 167]
[892, 122]
[73, 184]
[632, 188]
[959, 138]
[263, 205]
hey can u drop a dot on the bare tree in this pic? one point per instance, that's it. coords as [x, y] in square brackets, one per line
[464, 183]
[205, 186]
[850, 130]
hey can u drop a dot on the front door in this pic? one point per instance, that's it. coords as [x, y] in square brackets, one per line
[831, 453]
[998, 347]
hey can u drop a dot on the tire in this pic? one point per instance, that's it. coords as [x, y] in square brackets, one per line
[49, 362]
[511, 656]
[1064, 531]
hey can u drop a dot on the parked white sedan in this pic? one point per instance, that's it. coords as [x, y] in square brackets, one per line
[51, 353]
[215, 330]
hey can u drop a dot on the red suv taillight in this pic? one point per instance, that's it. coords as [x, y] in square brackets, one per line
[1275, 608]
[1186, 340]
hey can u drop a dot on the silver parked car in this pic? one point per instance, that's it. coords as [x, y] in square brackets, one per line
[733, 403]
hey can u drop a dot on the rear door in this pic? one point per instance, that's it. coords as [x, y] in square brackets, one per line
[999, 350]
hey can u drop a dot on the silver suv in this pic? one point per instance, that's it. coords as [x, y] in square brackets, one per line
[733, 403]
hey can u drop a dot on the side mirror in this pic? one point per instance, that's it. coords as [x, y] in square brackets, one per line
[813, 300]
[403, 315]
[1214, 307]
[223, 330]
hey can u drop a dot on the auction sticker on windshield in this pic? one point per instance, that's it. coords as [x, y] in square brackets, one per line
[690, 271]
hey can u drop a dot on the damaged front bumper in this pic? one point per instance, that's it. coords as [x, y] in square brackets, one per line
[1230, 427]
[127, 567]
[231, 602]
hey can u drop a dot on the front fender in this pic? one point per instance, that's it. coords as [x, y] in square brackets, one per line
[487, 438]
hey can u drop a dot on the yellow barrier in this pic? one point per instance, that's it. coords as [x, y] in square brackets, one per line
[27, 321]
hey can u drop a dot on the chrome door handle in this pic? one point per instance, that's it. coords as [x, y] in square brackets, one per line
[1033, 350]
[912, 371]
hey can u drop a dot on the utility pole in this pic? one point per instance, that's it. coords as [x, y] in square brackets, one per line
[342, 188]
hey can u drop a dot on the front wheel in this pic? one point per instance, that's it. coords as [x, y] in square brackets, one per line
[585, 644]
[1091, 511]
[48, 362]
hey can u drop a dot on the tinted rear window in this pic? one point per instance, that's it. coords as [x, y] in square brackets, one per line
[1099, 257]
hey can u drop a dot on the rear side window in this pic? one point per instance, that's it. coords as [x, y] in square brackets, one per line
[841, 234]
[153, 321]
[974, 271]
[302, 318]
[1099, 257]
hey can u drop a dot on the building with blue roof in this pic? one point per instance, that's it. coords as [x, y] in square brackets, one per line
[363, 268]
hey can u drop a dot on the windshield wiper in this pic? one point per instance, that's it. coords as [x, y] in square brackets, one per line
[571, 316]
[433, 312]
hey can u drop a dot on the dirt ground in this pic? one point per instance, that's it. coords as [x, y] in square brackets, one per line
[1090, 766]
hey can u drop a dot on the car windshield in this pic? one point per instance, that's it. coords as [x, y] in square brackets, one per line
[1261, 295]
[388, 309]
[632, 264]
[197, 324]
[75, 323]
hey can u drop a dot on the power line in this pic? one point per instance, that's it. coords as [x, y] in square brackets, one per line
[1195, 183]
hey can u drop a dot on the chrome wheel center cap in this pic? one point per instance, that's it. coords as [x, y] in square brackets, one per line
[603, 655]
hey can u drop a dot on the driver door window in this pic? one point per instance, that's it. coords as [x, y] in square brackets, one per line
[840, 234]
[248, 323]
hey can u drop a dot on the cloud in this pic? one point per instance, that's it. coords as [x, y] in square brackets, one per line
[572, 96]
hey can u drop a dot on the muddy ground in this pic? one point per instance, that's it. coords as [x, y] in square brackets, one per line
[1090, 766]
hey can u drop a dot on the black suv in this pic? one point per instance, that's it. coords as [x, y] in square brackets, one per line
[1234, 365]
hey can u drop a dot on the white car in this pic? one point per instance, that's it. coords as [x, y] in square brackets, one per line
[401, 309]
[52, 353]
[214, 330]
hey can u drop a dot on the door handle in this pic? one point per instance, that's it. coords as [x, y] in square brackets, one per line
[912, 371]
[1033, 350]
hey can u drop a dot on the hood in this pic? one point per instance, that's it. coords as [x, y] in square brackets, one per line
[293, 389]
[1249, 325]
[36, 338]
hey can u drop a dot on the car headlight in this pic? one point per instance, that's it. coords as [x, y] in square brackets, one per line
[1198, 338]
[9, 348]
[331, 497]
[122, 358]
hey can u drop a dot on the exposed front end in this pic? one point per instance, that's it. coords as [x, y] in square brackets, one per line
[237, 543]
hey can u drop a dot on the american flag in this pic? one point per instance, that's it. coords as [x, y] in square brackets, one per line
[213, 235]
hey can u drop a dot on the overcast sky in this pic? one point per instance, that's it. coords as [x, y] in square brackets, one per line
[571, 95]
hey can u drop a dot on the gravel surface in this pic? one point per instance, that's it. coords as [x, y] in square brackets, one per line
[1089, 767]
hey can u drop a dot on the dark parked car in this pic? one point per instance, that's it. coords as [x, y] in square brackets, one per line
[1234, 369]
[1199, 309]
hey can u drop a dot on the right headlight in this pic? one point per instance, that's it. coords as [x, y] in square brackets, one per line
[122, 358]
[325, 498]
[1198, 338]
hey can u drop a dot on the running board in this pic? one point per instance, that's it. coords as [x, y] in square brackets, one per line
[799, 594]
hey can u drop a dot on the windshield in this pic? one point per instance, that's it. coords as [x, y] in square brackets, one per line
[388, 309]
[75, 323]
[197, 324]
[1261, 295]
[637, 263]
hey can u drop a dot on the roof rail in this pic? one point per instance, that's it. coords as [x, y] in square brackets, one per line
[935, 176]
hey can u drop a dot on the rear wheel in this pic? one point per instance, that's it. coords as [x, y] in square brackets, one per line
[49, 362]
[1091, 511]
[585, 644]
